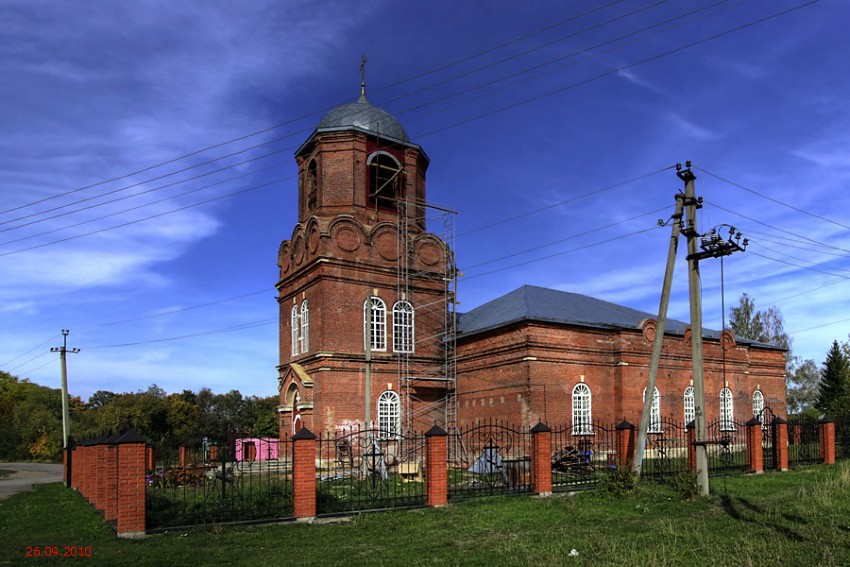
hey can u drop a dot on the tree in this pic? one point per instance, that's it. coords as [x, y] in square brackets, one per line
[833, 397]
[762, 326]
[803, 386]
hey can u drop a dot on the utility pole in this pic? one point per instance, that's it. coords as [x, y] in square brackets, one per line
[66, 417]
[690, 231]
[658, 342]
[711, 246]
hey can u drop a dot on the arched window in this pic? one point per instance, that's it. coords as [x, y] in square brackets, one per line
[295, 329]
[378, 324]
[758, 406]
[654, 412]
[384, 179]
[582, 413]
[403, 327]
[690, 412]
[389, 415]
[304, 339]
[727, 414]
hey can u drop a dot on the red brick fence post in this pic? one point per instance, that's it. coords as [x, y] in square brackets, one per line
[304, 474]
[436, 467]
[541, 459]
[755, 452]
[826, 430]
[130, 509]
[625, 443]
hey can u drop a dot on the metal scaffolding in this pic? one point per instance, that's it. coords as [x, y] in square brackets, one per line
[428, 381]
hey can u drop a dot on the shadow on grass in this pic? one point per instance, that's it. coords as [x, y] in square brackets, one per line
[743, 510]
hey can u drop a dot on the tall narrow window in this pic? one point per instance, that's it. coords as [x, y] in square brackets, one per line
[403, 327]
[582, 416]
[654, 412]
[378, 324]
[384, 179]
[758, 406]
[304, 339]
[295, 329]
[690, 412]
[389, 415]
[312, 186]
[727, 419]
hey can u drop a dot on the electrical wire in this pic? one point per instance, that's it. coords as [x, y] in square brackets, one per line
[249, 325]
[291, 134]
[162, 214]
[774, 200]
[563, 252]
[23, 354]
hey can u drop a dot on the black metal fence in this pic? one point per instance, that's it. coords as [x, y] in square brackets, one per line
[768, 438]
[842, 438]
[361, 470]
[803, 440]
[236, 479]
[489, 458]
[582, 455]
[666, 452]
[726, 446]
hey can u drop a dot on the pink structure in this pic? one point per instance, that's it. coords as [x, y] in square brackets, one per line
[256, 449]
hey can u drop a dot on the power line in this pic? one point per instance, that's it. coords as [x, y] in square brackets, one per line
[175, 311]
[566, 201]
[38, 346]
[293, 133]
[162, 214]
[800, 236]
[249, 325]
[285, 123]
[617, 69]
[563, 252]
[137, 207]
[36, 357]
[774, 200]
[562, 240]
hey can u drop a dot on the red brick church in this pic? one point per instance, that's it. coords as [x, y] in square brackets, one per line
[366, 290]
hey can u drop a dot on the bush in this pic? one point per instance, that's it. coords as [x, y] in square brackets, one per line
[619, 481]
[686, 485]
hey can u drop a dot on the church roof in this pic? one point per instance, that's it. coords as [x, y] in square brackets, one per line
[532, 303]
[363, 116]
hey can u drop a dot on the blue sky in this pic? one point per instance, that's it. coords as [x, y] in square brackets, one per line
[561, 119]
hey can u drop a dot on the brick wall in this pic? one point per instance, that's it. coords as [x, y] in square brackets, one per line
[527, 371]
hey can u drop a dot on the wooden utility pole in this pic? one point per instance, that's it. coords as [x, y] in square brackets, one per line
[658, 342]
[66, 416]
[690, 231]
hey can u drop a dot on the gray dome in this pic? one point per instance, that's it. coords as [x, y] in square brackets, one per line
[363, 116]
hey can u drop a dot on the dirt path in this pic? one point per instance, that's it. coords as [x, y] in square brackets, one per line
[26, 475]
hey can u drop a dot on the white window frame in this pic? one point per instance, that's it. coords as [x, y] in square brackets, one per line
[389, 414]
[758, 406]
[304, 337]
[403, 329]
[582, 400]
[654, 412]
[727, 410]
[296, 328]
[378, 324]
[690, 405]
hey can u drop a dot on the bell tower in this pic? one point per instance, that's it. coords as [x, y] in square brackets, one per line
[360, 259]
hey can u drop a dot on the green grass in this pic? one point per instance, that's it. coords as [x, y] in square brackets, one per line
[4, 473]
[801, 517]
